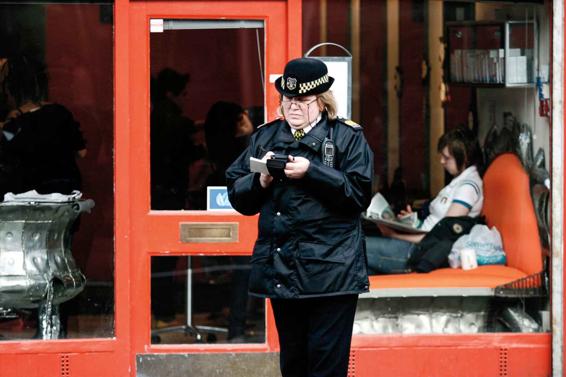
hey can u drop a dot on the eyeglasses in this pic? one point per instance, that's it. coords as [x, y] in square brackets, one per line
[301, 102]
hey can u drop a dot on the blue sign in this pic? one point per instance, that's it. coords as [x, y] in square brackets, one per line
[217, 198]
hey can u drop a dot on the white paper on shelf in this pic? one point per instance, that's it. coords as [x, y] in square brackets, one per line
[517, 70]
[521, 63]
[510, 72]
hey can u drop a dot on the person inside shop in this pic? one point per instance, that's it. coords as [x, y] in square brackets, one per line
[8, 48]
[461, 158]
[309, 257]
[227, 131]
[171, 152]
[41, 141]
[172, 148]
[5, 108]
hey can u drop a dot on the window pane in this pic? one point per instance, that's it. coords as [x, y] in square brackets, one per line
[204, 300]
[205, 105]
[56, 106]
[406, 97]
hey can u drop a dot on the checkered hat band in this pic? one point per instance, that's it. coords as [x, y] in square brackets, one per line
[305, 87]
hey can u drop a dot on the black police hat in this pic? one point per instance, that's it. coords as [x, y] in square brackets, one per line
[304, 77]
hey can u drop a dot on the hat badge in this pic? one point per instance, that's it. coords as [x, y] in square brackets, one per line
[291, 83]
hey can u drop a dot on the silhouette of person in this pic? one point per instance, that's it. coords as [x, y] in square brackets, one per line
[227, 131]
[41, 140]
[172, 151]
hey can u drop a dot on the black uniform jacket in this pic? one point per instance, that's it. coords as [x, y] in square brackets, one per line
[310, 241]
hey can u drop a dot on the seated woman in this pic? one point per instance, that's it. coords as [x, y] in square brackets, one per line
[460, 156]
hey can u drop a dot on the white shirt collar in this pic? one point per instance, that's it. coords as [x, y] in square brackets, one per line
[463, 175]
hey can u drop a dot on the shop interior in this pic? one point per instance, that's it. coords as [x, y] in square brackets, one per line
[419, 68]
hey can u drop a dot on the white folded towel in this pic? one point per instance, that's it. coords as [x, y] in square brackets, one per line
[34, 196]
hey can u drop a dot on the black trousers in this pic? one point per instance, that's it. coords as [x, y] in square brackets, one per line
[315, 335]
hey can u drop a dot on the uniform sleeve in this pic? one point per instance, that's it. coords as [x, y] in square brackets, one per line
[346, 188]
[466, 194]
[244, 190]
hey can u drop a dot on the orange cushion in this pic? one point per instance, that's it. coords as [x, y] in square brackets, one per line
[481, 277]
[508, 206]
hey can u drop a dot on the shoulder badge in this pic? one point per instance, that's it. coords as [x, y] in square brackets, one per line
[269, 123]
[351, 123]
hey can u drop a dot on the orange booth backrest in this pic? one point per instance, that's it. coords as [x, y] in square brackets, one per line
[508, 206]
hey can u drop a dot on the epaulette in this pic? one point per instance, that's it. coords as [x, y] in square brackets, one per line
[269, 123]
[350, 123]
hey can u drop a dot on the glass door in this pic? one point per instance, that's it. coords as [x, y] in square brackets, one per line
[56, 122]
[205, 104]
[199, 87]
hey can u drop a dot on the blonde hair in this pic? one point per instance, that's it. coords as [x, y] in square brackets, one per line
[326, 102]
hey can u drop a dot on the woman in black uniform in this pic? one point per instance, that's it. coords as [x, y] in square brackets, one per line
[309, 258]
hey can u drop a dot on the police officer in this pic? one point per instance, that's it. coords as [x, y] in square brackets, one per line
[309, 257]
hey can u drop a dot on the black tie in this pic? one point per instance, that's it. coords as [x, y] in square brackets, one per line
[299, 134]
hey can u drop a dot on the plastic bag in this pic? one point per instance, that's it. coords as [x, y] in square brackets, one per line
[484, 241]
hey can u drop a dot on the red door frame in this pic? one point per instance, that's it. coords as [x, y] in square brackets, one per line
[117, 356]
[373, 355]
[481, 354]
[157, 232]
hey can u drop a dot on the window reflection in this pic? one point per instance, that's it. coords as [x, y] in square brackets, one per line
[203, 110]
[204, 300]
[204, 107]
[56, 104]
[172, 146]
[402, 125]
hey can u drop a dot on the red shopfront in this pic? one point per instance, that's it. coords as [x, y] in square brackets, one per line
[229, 51]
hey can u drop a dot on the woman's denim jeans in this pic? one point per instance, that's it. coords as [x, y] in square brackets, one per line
[388, 255]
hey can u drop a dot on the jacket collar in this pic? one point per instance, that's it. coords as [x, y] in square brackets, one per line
[312, 140]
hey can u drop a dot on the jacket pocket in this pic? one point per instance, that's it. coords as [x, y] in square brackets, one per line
[321, 253]
[320, 268]
[261, 274]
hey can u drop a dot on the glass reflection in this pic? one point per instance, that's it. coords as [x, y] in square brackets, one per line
[512, 120]
[204, 300]
[55, 105]
[202, 109]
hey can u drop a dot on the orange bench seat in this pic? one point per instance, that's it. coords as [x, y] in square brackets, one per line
[481, 277]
